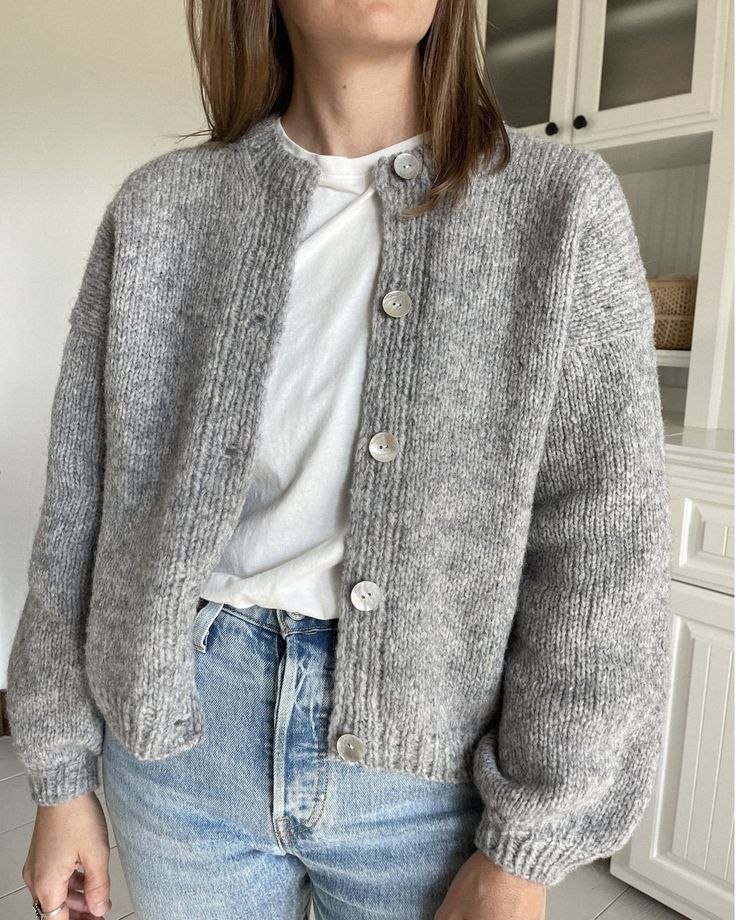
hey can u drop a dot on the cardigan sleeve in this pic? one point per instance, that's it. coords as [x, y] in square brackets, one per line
[55, 726]
[568, 766]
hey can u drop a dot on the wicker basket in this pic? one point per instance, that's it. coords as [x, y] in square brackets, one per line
[674, 310]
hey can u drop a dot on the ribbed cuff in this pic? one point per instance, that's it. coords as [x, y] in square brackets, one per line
[65, 781]
[538, 856]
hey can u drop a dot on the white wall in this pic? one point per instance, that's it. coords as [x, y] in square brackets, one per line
[89, 89]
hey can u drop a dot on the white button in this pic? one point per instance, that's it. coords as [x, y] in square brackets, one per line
[351, 748]
[406, 165]
[383, 446]
[295, 616]
[366, 595]
[396, 303]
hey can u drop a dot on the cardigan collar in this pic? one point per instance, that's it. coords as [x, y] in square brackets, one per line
[262, 156]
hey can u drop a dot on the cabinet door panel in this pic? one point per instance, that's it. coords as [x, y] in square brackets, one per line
[646, 64]
[531, 53]
[648, 51]
[520, 53]
[702, 525]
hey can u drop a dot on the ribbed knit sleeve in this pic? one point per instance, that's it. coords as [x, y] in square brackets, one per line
[55, 725]
[567, 770]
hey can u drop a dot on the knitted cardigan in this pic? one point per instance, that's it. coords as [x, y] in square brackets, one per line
[520, 539]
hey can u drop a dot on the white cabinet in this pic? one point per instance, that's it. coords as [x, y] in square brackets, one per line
[649, 84]
[682, 851]
[582, 71]
[653, 81]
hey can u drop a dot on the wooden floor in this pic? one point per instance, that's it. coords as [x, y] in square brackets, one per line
[591, 893]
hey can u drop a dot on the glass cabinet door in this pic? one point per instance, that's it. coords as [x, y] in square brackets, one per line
[647, 64]
[520, 53]
[531, 49]
[648, 50]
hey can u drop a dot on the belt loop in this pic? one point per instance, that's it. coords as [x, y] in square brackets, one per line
[204, 618]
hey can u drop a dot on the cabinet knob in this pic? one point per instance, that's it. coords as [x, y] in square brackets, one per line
[551, 128]
[580, 121]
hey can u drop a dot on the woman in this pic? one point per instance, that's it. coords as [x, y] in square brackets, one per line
[368, 357]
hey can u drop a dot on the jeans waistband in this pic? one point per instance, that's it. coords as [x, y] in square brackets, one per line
[271, 618]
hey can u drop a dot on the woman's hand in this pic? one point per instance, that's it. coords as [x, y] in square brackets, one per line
[482, 890]
[67, 837]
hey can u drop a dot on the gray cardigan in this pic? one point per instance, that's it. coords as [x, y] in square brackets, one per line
[519, 542]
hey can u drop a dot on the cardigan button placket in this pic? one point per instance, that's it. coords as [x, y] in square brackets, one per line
[384, 446]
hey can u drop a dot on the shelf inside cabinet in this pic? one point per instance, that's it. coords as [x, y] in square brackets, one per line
[716, 442]
[674, 422]
[666, 185]
[671, 357]
[665, 152]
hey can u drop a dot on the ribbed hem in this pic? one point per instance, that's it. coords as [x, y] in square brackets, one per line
[167, 729]
[538, 856]
[66, 781]
[432, 757]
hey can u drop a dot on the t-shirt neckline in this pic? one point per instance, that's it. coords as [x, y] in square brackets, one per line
[341, 166]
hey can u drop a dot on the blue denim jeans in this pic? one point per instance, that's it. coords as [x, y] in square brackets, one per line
[255, 822]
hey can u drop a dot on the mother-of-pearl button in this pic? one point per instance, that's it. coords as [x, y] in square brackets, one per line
[351, 748]
[383, 446]
[366, 595]
[406, 165]
[396, 303]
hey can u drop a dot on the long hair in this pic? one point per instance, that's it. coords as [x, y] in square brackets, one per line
[243, 58]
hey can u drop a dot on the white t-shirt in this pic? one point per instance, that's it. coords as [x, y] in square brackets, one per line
[287, 548]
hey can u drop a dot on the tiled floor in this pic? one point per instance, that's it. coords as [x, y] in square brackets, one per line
[591, 893]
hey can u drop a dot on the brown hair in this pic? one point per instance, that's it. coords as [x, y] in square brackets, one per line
[243, 58]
